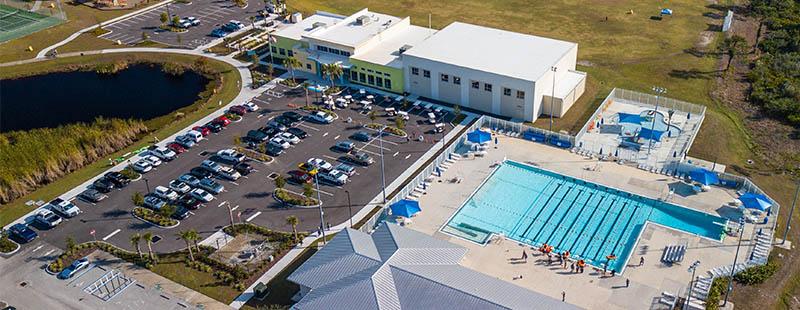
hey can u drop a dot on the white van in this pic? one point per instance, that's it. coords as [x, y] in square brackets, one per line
[195, 135]
[390, 111]
[431, 118]
[403, 114]
[439, 127]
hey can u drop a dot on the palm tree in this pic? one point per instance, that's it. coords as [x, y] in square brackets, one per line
[186, 236]
[195, 237]
[333, 71]
[305, 86]
[734, 46]
[135, 242]
[290, 63]
[148, 237]
[293, 220]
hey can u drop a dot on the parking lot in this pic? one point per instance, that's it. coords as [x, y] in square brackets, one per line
[211, 13]
[251, 196]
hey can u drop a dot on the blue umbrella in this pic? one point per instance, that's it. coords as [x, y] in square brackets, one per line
[704, 176]
[405, 208]
[755, 201]
[479, 136]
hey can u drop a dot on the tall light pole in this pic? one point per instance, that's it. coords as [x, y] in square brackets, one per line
[791, 213]
[321, 213]
[383, 174]
[349, 207]
[230, 212]
[692, 268]
[733, 268]
[553, 97]
[147, 184]
[659, 91]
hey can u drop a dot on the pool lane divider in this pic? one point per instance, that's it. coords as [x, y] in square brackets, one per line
[544, 206]
[597, 227]
[553, 231]
[569, 189]
[610, 229]
[580, 212]
[630, 219]
[586, 224]
[528, 210]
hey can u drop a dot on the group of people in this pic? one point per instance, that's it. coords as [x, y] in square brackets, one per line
[576, 266]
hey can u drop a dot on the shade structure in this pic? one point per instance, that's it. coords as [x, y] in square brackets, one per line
[405, 208]
[479, 136]
[755, 201]
[647, 133]
[704, 176]
[630, 118]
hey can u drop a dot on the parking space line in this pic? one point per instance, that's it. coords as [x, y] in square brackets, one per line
[325, 134]
[336, 137]
[222, 203]
[253, 216]
[395, 154]
[408, 156]
[309, 127]
[234, 183]
[234, 208]
[370, 152]
[111, 234]
[49, 252]
[330, 157]
[37, 248]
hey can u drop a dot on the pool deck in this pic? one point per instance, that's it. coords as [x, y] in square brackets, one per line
[588, 290]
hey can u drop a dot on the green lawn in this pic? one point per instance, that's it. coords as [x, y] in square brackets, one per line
[173, 267]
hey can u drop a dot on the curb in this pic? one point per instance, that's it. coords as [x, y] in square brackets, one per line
[7, 254]
[293, 205]
[154, 224]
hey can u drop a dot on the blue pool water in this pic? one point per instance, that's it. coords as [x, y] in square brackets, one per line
[660, 124]
[535, 206]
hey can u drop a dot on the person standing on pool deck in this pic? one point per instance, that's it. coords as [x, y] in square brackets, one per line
[524, 256]
[641, 261]
[563, 296]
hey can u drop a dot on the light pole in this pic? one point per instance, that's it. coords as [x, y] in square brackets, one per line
[349, 208]
[321, 214]
[230, 212]
[733, 268]
[383, 176]
[147, 184]
[553, 97]
[658, 91]
[692, 268]
[791, 212]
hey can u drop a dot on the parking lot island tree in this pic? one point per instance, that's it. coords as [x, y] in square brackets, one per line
[280, 182]
[291, 63]
[294, 221]
[135, 239]
[308, 190]
[305, 86]
[332, 71]
[399, 122]
[164, 19]
[138, 199]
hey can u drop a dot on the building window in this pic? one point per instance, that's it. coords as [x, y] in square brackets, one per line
[456, 80]
[308, 66]
[370, 80]
[274, 49]
[386, 74]
[354, 75]
[378, 72]
[370, 70]
[487, 87]
[282, 51]
[379, 81]
[476, 85]
[520, 94]
[345, 53]
[445, 77]
[506, 91]
[414, 71]
[388, 83]
[291, 54]
[426, 73]
[362, 78]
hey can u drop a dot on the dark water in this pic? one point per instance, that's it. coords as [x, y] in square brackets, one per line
[141, 91]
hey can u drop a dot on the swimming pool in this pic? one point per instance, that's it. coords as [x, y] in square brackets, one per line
[646, 121]
[536, 206]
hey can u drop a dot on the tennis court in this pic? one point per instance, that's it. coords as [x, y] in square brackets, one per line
[15, 23]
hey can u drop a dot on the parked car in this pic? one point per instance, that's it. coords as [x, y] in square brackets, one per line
[163, 153]
[278, 141]
[218, 33]
[92, 195]
[165, 193]
[183, 23]
[103, 185]
[271, 132]
[250, 106]
[346, 169]
[195, 135]
[214, 127]
[243, 168]
[193, 20]
[153, 202]
[180, 213]
[231, 155]
[289, 137]
[238, 110]
[119, 179]
[200, 173]
[142, 166]
[229, 173]
[344, 146]
[64, 208]
[273, 150]
[152, 160]
[189, 179]
[202, 130]
[222, 120]
[211, 186]
[179, 187]
[256, 136]
[321, 117]
[292, 115]
[361, 136]
[73, 268]
[335, 177]
[176, 147]
[185, 141]
[47, 218]
[233, 25]
[308, 168]
[22, 233]
[300, 177]
[277, 125]
[189, 202]
[201, 195]
[288, 122]
[320, 164]
[210, 165]
[297, 132]
[359, 158]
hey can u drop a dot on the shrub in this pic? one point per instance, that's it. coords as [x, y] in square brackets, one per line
[129, 173]
[718, 288]
[6, 245]
[138, 199]
[756, 274]
[153, 217]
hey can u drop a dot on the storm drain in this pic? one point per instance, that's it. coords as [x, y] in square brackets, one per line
[156, 239]
[273, 176]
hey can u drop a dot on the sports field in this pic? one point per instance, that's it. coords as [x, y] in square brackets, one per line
[15, 23]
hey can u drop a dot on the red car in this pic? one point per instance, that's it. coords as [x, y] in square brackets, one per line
[238, 110]
[300, 177]
[222, 120]
[203, 130]
[177, 148]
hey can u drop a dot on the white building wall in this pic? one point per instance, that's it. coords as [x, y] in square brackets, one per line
[544, 87]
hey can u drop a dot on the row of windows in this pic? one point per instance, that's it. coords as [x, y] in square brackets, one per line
[375, 71]
[370, 79]
[282, 51]
[333, 50]
[475, 84]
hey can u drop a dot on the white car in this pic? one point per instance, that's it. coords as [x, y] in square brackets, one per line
[334, 176]
[165, 193]
[278, 141]
[163, 153]
[231, 155]
[210, 165]
[193, 20]
[321, 117]
[320, 163]
[250, 106]
[289, 137]
[229, 173]
[142, 166]
[64, 207]
[201, 195]
[152, 160]
[180, 187]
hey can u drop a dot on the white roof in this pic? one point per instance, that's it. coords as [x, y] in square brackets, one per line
[492, 50]
[296, 31]
[387, 52]
[348, 32]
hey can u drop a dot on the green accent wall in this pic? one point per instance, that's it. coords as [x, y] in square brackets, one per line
[386, 73]
[284, 43]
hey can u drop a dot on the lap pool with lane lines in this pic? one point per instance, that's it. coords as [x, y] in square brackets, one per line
[591, 221]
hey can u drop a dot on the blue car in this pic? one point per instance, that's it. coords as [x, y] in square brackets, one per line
[73, 268]
[22, 233]
[219, 33]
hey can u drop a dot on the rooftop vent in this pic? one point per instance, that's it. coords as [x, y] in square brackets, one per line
[363, 20]
[317, 25]
[405, 48]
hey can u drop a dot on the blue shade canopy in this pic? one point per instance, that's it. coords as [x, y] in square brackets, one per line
[479, 136]
[646, 133]
[630, 118]
[704, 176]
[755, 201]
[405, 208]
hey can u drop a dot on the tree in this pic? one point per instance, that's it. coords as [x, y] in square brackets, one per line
[138, 199]
[270, 71]
[457, 110]
[252, 21]
[70, 244]
[148, 237]
[145, 36]
[333, 71]
[280, 182]
[176, 21]
[254, 59]
[135, 242]
[186, 236]
[164, 18]
[237, 140]
[291, 63]
[240, 3]
[372, 115]
[734, 46]
[195, 236]
[399, 122]
[201, 64]
[305, 86]
[308, 190]
[167, 210]
[293, 220]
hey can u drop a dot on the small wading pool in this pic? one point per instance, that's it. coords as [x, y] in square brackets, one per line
[536, 206]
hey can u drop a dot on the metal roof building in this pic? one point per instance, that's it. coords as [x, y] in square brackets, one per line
[399, 268]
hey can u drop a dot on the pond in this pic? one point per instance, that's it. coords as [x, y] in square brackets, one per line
[141, 91]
